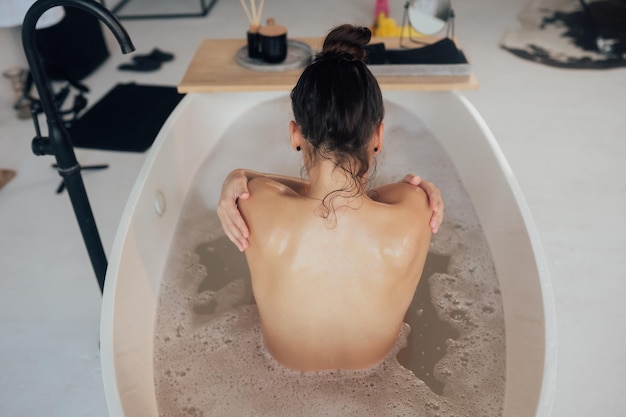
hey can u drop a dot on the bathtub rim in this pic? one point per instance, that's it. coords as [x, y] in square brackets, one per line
[548, 386]
[111, 386]
[107, 356]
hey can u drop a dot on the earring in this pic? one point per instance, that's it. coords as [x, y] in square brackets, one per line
[375, 150]
[298, 148]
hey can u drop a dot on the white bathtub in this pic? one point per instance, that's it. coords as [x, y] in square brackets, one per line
[191, 133]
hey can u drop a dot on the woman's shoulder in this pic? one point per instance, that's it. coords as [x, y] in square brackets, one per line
[268, 211]
[403, 203]
[400, 194]
[267, 187]
[265, 195]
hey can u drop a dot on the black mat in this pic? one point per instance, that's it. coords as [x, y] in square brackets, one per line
[128, 118]
[569, 34]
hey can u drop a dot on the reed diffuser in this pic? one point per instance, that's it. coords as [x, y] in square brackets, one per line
[254, 14]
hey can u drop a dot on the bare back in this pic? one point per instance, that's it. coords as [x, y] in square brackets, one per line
[334, 297]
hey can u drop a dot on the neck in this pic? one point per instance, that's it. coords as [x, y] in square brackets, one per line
[325, 177]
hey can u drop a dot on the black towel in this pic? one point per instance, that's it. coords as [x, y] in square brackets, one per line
[128, 118]
[442, 52]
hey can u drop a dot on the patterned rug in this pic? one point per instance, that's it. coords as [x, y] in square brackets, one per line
[6, 175]
[571, 34]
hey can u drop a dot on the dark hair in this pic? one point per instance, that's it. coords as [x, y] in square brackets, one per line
[337, 103]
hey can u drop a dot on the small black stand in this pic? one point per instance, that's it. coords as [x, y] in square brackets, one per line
[405, 22]
[204, 10]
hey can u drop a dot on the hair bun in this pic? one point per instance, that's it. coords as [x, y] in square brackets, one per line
[346, 42]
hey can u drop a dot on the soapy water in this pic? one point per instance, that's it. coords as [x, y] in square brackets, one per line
[209, 355]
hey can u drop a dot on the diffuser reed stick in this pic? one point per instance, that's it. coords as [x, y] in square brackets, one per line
[245, 9]
[255, 21]
[253, 12]
[260, 12]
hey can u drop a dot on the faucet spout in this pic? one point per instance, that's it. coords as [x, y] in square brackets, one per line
[58, 142]
[30, 47]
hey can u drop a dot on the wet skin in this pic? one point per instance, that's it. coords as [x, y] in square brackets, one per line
[332, 292]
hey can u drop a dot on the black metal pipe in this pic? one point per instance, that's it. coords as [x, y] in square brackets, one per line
[58, 142]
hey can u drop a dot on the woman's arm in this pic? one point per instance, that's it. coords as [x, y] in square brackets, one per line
[235, 187]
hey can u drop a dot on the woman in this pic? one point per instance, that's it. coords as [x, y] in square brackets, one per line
[334, 266]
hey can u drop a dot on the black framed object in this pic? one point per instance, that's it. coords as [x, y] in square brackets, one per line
[205, 8]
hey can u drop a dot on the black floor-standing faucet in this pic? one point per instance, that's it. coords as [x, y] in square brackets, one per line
[58, 142]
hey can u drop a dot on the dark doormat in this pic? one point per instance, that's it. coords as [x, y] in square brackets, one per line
[128, 118]
[567, 33]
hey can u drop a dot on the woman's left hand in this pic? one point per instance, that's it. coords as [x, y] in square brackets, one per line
[434, 198]
[235, 187]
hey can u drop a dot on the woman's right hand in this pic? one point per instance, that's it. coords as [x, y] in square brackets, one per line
[235, 188]
[434, 198]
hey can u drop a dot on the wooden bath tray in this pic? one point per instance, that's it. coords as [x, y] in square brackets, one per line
[214, 69]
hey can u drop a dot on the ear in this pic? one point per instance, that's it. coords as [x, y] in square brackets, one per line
[377, 138]
[295, 135]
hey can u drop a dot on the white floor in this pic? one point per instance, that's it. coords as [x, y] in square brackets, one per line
[563, 131]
